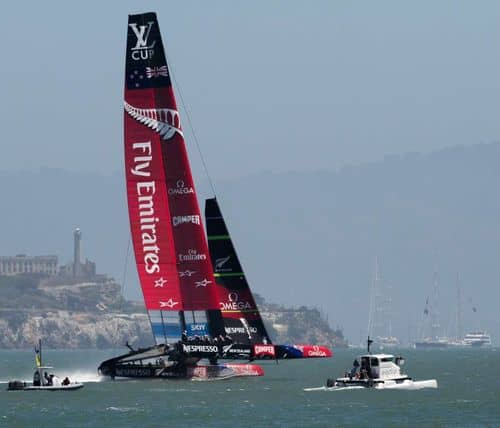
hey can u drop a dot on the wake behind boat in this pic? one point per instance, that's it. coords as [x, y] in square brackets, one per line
[378, 371]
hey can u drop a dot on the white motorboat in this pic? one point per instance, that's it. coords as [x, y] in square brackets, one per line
[379, 371]
[44, 378]
[387, 342]
[477, 339]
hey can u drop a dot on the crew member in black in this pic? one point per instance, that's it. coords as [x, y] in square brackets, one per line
[36, 379]
[355, 366]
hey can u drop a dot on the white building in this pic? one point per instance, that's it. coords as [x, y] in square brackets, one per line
[21, 263]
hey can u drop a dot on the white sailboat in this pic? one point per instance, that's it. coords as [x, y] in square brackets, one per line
[380, 322]
[431, 328]
[477, 338]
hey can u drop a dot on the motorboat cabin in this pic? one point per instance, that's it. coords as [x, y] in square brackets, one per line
[380, 366]
[371, 370]
[380, 371]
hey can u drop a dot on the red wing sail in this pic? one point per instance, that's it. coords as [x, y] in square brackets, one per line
[169, 242]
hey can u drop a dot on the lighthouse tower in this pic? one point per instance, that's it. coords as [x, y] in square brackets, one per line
[77, 265]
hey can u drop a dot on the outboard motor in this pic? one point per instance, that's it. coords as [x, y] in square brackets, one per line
[16, 385]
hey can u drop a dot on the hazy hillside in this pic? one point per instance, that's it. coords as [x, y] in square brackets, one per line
[70, 314]
[307, 238]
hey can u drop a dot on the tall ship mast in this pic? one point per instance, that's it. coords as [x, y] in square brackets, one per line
[380, 314]
[430, 337]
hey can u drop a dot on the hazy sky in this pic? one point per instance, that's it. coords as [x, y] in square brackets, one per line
[270, 86]
[287, 85]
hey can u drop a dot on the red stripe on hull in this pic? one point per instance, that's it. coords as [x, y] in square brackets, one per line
[314, 351]
[225, 371]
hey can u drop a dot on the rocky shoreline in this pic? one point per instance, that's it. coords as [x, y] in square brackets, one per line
[62, 329]
[93, 315]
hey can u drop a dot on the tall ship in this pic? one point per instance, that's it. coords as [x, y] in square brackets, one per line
[380, 315]
[476, 338]
[430, 334]
[196, 318]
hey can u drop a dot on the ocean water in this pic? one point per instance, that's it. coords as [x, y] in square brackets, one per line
[468, 395]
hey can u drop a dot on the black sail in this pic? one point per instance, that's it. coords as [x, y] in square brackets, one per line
[242, 320]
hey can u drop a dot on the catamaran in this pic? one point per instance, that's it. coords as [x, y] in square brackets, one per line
[193, 316]
[170, 247]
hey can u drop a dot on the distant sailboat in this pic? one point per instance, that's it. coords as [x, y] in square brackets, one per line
[430, 338]
[380, 317]
[477, 338]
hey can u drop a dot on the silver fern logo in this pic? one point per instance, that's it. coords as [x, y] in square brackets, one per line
[219, 263]
[165, 121]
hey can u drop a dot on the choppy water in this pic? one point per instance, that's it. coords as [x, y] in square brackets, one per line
[468, 395]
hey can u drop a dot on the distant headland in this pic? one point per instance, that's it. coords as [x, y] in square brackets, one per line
[72, 306]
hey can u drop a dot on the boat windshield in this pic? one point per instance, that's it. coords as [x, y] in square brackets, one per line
[386, 360]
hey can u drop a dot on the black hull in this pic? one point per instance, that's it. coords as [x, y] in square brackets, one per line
[181, 360]
[161, 362]
[181, 373]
